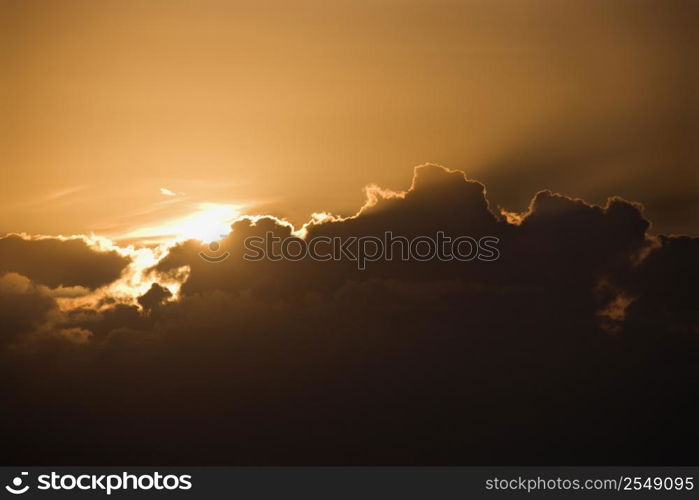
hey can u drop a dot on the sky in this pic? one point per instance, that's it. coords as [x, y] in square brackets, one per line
[144, 144]
[289, 108]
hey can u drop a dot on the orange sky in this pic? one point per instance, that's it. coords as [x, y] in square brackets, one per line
[291, 107]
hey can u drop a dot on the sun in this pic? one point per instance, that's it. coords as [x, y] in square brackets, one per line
[210, 222]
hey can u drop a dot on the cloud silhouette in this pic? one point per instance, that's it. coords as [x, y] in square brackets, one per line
[579, 345]
[23, 306]
[60, 261]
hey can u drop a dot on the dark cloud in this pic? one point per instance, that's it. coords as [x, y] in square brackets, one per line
[664, 286]
[154, 297]
[23, 306]
[580, 345]
[55, 262]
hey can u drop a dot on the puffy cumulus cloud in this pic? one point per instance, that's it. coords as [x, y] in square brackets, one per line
[578, 345]
[23, 306]
[557, 237]
[31, 316]
[154, 297]
[60, 261]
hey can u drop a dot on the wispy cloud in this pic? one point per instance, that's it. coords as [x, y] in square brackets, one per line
[58, 197]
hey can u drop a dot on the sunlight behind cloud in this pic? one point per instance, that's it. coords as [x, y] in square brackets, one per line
[209, 223]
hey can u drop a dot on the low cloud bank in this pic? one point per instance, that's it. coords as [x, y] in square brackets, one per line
[579, 345]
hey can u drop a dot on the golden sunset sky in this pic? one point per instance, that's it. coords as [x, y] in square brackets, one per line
[117, 116]
[156, 156]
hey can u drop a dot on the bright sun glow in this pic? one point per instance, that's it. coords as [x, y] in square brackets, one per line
[210, 222]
